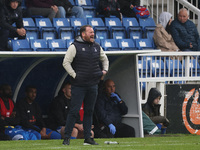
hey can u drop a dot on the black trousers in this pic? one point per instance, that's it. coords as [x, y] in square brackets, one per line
[122, 130]
[4, 35]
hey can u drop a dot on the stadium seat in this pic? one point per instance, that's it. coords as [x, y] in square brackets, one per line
[142, 44]
[21, 45]
[174, 68]
[194, 67]
[63, 28]
[88, 8]
[126, 44]
[32, 31]
[117, 31]
[69, 42]
[101, 31]
[148, 25]
[133, 29]
[157, 68]
[47, 31]
[77, 23]
[57, 45]
[39, 45]
[109, 45]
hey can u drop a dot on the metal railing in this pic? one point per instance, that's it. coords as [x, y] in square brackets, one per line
[159, 69]
[158, 6]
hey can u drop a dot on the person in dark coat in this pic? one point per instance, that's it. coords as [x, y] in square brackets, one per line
[110, 7]
[152, 108]
[126, 7]
[109, 110]
[184, 32]
[10, 13]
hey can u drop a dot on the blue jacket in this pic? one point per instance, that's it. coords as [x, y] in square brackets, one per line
[184, 33]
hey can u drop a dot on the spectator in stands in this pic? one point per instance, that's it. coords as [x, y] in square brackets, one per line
[45, 8]
[58, 112]
[67, 9]
[184, 32]
[82, 63]
[9, 117]
[10, 13]
[110, 7]
[126, 7]
[162, 36]
[109, 110]
[152, 109]
[31, 117]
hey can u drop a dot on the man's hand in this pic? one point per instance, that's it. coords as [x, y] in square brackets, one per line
[43, 133]
[116, 96]
[21, 32]
[55, 8]
[112, 128]
[79, 126]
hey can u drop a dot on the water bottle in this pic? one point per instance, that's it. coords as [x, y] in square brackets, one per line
[111, 142]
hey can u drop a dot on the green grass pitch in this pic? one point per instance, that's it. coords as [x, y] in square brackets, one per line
[172, 142]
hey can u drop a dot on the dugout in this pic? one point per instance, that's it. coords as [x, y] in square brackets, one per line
[45, 71]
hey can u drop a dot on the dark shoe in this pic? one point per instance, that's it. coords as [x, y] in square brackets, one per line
[66, 141]
[90, 141]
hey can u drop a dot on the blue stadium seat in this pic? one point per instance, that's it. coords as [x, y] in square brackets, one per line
[39, 45]
[64, 30]
[32, 31]
[57, 45]
[142, 44]
[148, 25]
[133, 29]
[72, 2]
[88, 8]
[174, 68]
[109, 45]
[194, 67]
[47, 31]
[69, 42]
[126, 44]
[21, 45]
[157, 68]
[101, 31]
[144, 71]
[117, 31]
[77, 23]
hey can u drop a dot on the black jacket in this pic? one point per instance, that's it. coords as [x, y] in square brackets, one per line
[86, 63]
[30, 115]
[64, 3]
[58, 112]
[108, 110]
[9, 16]
[125, 7]
[153, 111]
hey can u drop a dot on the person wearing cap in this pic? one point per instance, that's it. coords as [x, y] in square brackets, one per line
[152, 109]
[11, 13]
[162, 37]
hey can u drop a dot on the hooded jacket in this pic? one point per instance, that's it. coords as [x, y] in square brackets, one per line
[9, 16]
[153, 111]
[162, 38]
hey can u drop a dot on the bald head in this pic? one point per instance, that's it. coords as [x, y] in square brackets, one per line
[183, 15]
[109, 86]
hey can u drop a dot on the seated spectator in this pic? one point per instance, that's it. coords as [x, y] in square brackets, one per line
[58, 112]
[126, 7]
[109, 110]
[152, 109]
[45, 8]
[9, 118]
[31, 117]
[110, 7]
[184, 32]
[162, 36]
[67, 9]
[10, 13]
